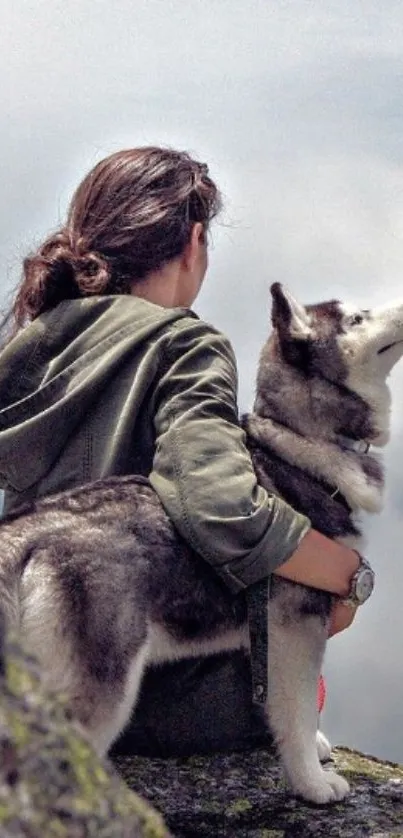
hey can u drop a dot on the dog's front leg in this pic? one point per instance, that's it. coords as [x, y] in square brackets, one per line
[295, 656]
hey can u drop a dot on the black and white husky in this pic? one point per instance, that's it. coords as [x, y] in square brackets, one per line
[99, 583]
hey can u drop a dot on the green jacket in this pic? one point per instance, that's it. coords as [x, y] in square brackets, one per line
[117, 385]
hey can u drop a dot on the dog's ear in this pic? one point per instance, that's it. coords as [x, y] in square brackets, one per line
[288, 316]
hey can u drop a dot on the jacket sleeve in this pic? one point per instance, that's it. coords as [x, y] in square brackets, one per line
[202, 470]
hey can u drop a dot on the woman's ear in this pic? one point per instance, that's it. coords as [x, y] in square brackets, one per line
[196, 241]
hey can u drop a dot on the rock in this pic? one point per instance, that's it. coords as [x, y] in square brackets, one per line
[243, 794]
[52, 785]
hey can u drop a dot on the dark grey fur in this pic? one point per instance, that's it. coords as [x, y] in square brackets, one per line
[84, 573]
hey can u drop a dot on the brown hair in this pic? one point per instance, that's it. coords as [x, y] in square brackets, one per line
[132, 213]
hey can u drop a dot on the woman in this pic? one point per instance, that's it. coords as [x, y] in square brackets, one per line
[108, 371]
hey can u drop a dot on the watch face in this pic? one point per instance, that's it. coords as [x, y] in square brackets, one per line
[364, 585]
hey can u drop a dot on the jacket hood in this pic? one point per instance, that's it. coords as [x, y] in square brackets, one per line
[54, 370]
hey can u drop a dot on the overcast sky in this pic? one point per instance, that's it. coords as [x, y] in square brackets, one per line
[298, 109]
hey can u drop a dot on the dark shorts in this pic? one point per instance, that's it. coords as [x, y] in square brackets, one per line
[196, 706]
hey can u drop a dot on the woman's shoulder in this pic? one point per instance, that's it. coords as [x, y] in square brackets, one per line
[191, 324]
[191, 335]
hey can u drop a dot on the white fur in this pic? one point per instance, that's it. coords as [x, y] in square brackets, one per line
[42, 628]
[321, 459]
[300, 323]
[163, 647]
[323, 746]
[295, 659]
[367, 369]
[105, 730]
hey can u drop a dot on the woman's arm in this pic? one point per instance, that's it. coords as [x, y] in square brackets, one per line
[320, 562]
[204, 476]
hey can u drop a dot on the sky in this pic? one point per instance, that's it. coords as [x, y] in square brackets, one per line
[297, 107]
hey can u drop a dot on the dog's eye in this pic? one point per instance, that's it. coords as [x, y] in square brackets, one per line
[356, 319]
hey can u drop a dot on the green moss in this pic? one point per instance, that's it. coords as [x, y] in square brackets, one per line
[238, 807]
[19, 681]
[212, 807]
[18, 730]
[152, 824]
[90, 776]
[56, 829]
[353, 764]
[4, 812]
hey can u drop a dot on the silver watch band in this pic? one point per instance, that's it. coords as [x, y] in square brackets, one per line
[362, 584]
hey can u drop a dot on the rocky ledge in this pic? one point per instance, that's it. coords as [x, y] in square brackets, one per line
[243, 794]
[52, 785]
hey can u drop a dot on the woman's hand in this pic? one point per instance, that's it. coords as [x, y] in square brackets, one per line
[322, 563]
[341, 617]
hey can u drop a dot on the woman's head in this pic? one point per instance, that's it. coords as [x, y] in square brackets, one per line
[133, 213]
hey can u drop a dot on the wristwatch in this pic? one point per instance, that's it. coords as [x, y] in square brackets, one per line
[362, 584]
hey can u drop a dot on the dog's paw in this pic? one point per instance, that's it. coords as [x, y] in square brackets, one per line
[325, 787]
[324, 747]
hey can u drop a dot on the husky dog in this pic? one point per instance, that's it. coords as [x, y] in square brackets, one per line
[99, 583]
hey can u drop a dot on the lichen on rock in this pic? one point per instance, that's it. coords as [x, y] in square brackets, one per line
[244, 794]
[52, 785]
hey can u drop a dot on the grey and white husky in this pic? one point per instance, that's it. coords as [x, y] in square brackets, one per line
[99, 583]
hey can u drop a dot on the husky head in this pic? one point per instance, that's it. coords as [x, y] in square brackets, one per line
[324, 369]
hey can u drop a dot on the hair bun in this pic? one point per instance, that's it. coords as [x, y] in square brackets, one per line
[92, 273]
[61, 271]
